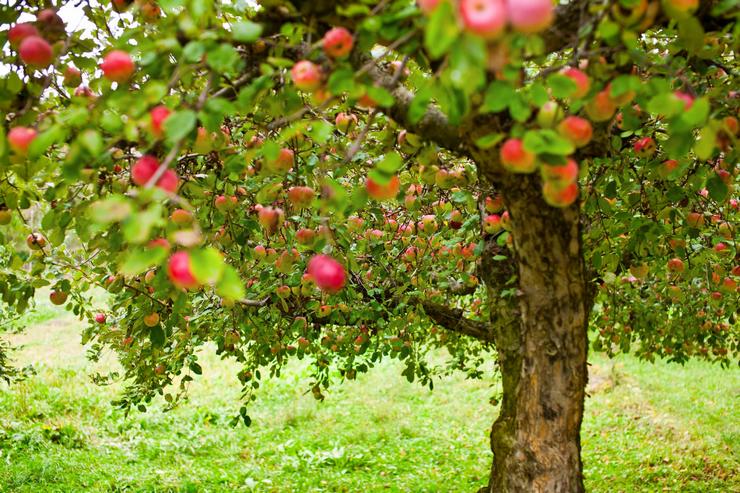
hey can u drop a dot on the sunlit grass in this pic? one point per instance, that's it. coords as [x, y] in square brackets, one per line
[648, 428]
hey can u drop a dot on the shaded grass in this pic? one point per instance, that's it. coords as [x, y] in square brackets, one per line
[647, 428]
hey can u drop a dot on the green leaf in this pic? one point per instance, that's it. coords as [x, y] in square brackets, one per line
[704, 146]
[110, 210]
[207, 265]
[246, 31]
[489, 141]
[136, 227]
[230, 286]
[141, 259]
[419, 105]
[560, 85]
[498, 96]
[54, 135]
[224, 59]
[391, 163]
[691, 33]
[519, 108]
[666, 104]
[441, 30]
[179, 124]
[92, 141]
[718, 189]
[547, 142]
[381, 96]
[156, 336]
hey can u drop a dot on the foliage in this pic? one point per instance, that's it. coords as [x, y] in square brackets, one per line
[241, 138]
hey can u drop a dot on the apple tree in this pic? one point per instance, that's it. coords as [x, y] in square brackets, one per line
[343, 182]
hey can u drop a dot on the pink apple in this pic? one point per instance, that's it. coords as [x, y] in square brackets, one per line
[19, 32]
[556, 197]
[36, 52]
[157, 117]
[20, 138]
[383, 192]
[516, 159]
[117, 66]
[306, 75]
[328, 274]
[577, 130]
[180, 271]
[337, 42]
[530, 16]
[645, 147]
[560, 176]
[485, 18]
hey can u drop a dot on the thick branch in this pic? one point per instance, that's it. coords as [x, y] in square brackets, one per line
[452, 319]
[433, 126]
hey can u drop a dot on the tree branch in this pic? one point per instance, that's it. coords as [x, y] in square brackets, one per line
[452, 319]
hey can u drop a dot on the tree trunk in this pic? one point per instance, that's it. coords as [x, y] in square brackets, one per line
[536, 438]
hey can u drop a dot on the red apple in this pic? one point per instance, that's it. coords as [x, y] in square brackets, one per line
[19, 32]
[35, 241]
[675, 265]
[549, 114]
[270, 218]
[51, 25]
[306, 76]
[530, 16]
[494, 204]
[560, 176]
[143, 170]
[305, 236]
[100, 318]
[180, 271]
[301, 197]
[157, 117]
[688, 99]
[181, 216]
[225, 202]
[151, 320]
[20, 138]
[337, 42]
[583, 83]
[695, 220]
[680, 9]
[72, 77]
[58, 297]
[492, 224]
[559, 197]
[383, 192]
[485, 18]
[345, 121]
[328, 274]
[645, 147]
[36, 52]
[283, 162]
[516, 159]
[602, 107]
[428, 224]
[427, 6]
[577, 130]
[667, 167]
[117, 66]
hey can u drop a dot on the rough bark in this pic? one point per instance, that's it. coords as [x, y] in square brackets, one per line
[536, 439]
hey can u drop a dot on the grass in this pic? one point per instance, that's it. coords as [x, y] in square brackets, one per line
[648, 428]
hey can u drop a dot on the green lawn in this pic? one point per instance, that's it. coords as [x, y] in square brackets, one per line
[648, 428]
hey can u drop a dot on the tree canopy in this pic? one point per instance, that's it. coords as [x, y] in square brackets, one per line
[338, 181]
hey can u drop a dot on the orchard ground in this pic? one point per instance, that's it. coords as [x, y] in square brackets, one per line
[648, 428]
